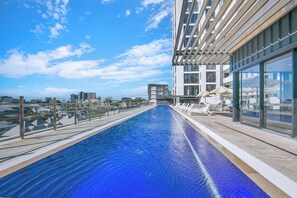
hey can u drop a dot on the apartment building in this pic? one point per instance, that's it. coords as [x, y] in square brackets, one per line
[82, 96]
[157, 91]
[258, 39]
[190, 76]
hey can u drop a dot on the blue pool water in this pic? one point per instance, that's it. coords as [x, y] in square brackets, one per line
[146, 156]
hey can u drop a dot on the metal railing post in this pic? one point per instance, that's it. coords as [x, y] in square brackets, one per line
[21, 117]
[89, 101]
[75, 112]
[55, 115]
[99, 109]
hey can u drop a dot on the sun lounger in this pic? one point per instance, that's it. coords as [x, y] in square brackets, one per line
[180, 107]
[187, 107]
[203, 110]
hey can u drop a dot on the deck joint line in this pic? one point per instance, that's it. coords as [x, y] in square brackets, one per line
[258, 139]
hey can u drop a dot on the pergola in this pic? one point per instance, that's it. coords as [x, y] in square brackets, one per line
[226, 27]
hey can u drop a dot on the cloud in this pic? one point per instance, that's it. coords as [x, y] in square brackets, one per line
[55, 30]
[88, 36]
[138, 9]
[151, 49]
[127, 13]
[54, 17]
[141, 61]
[160, 10]
[38, 30]
[14, 92]
[146, 3]
[106, 1]
[137, 63]
[19, 64]
[153, 22]
[53, 91]
[140, 91]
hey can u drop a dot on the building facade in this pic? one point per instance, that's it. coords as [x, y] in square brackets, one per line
[82, 96]
[265, 84]
[157, 91]
[189, 77]
[73, 98]
[258, 39]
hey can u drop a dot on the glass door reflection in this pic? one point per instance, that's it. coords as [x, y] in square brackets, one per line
[249, 95]
[278, 94]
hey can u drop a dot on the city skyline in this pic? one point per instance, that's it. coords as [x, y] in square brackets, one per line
[111, 47]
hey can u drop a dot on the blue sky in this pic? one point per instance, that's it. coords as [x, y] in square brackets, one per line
[58, 47]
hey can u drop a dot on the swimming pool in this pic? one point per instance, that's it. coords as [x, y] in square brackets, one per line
[155, 154]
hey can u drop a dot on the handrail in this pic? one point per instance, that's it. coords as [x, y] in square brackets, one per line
[18, 119]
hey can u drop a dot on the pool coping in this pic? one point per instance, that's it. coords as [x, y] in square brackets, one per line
[281, 181]
[20, 162]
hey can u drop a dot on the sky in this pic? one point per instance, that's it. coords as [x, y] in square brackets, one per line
[52, 48]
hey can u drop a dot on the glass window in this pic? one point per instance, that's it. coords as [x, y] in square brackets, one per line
[189, 6]
[210, 76]
[210, 2]
[189, 30]
[191, 68]
[191, 78]
[191, 90]
[210, 87]
[186, 40]
[226, 75]
[278, 90]
[196, 7]
[249, 95]
[194, 18]
[186, 18]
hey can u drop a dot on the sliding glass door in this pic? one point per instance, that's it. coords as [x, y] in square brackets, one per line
[249, 95]
[278, 94]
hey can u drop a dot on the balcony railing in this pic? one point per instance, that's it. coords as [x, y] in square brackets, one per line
[19, 119]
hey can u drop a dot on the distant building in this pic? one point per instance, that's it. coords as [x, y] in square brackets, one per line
[125, 98]
[85, 96]
[6, 99]
[227, 76]
[48, 100]
[81, 96]
[89, 95]
[73, 98]
[35, 101]
[14, 100]
[157, 92]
